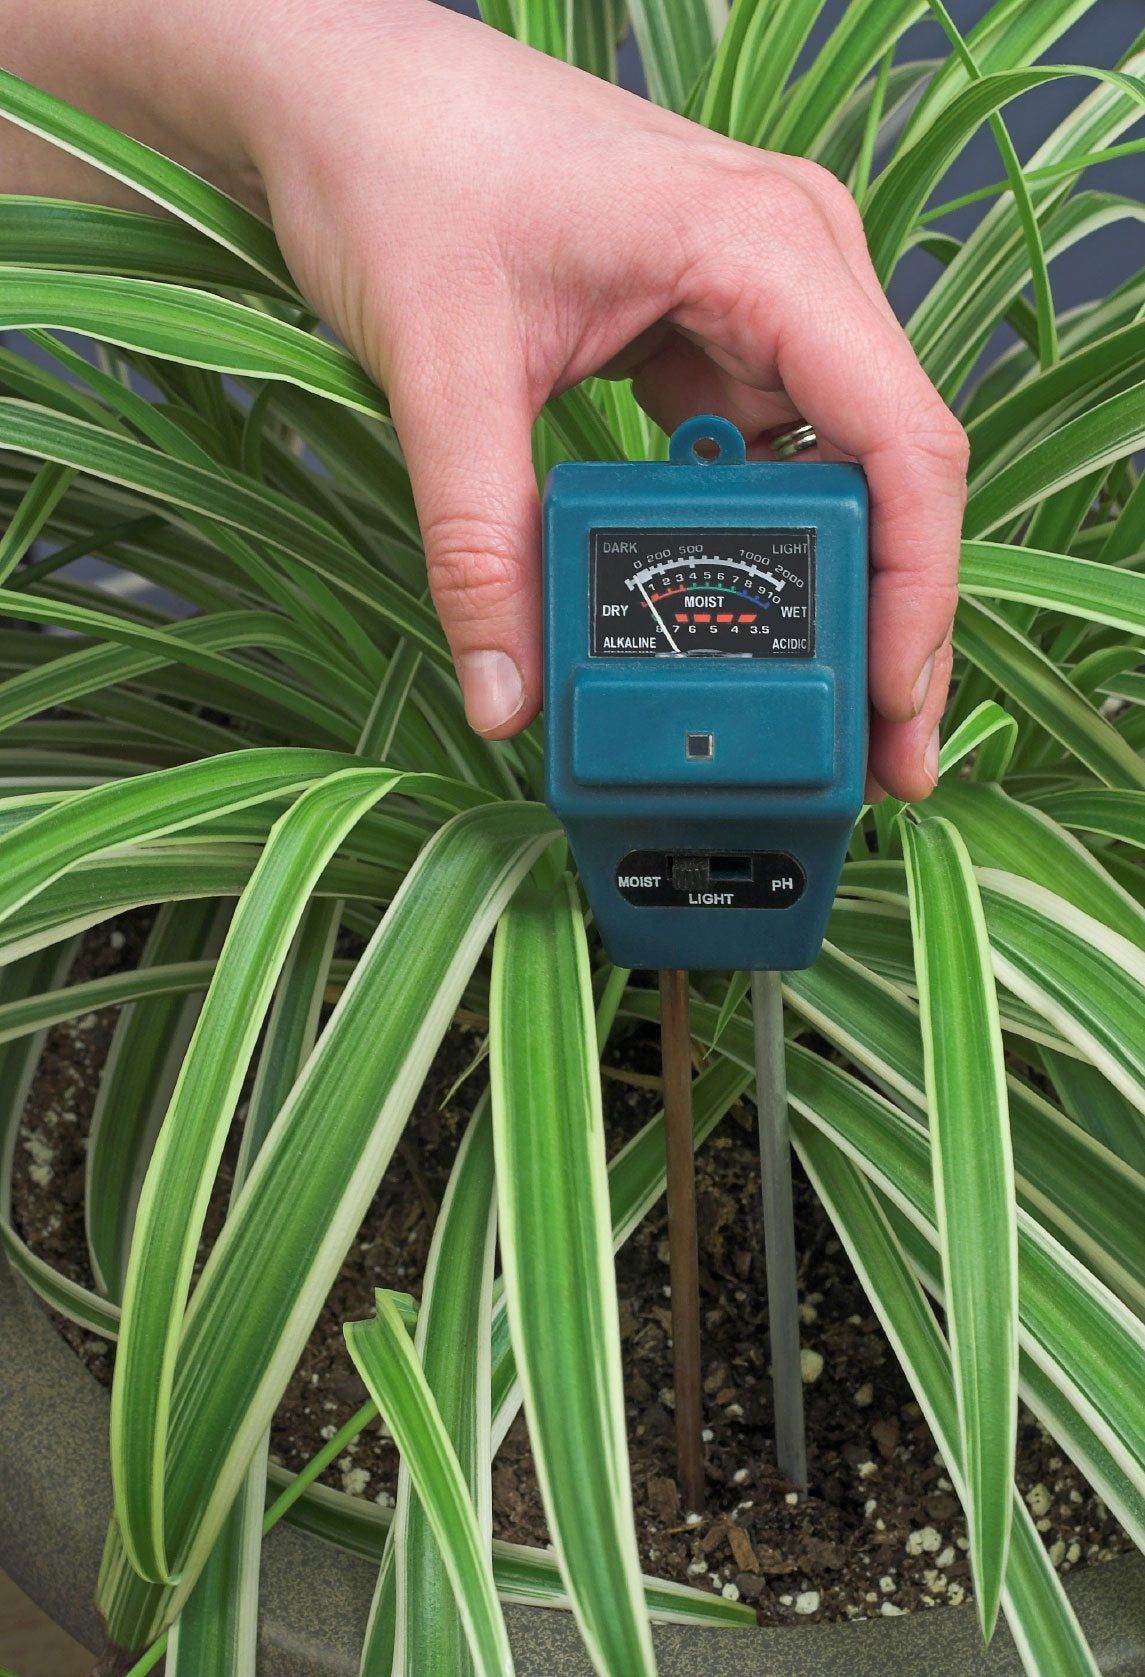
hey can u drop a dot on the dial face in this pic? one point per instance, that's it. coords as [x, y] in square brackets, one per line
[714, 593]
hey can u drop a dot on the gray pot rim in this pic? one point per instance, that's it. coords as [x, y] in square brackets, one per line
[316, 1598]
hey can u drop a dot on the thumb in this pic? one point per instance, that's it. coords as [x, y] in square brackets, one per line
[467, 440]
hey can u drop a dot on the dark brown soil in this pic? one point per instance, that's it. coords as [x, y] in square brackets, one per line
[881, 1531]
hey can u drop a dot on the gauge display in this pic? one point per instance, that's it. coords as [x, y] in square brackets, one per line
[713, 593]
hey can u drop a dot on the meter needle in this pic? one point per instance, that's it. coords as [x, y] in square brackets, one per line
[683, 1244]
[647, 598]
[778, 1226]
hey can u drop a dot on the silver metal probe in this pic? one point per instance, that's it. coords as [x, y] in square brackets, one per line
[779, 1226]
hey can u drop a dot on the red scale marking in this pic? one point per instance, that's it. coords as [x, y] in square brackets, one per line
[681, 617]
[701, 617]
[725, 617]
[747, 616]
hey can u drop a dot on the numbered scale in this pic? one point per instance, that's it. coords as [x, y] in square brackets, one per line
[662, 594]
[706, 735]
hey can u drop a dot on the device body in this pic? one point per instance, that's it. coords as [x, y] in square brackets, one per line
[706, 696]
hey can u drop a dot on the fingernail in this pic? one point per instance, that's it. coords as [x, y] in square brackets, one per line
[492, 688]
[922, 685]
[930, 759]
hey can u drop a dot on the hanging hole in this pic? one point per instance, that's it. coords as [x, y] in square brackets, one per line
[707, 440]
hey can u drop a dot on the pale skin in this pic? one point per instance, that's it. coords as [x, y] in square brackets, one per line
[483, 227]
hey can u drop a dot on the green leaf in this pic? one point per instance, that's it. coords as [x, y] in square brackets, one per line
[283, 696]
[874, 117]
[452, 1341]
[1101, 436]
[960, 312]
[1047, 321]
[1049, 1404]
[1008, 34]
[60, 1293]
[594, 29]
[381, 725]
[137, 1080]
[867, 28]
[1040, 405]
[1037, 1609]
[905, 184]
[258, 512]
[50, 483]
[216, 1632]
[610, 998]
[580, 429]
[553, 1204]
[182, 324]
[1088, 980]
[93, 239]
[1072, 1328]
[738, 986]
[841, 140]
[285, 1239]
[1002, 832]
[676, 43]
[1083, 588]
[187, 196]
[1075, 1188]
[973, 1183]
[96, 891]
[190, 1144]
[1030, 678]
[523, 1575]
[388, 1364]
[98, 669]
[19, 1056]
[756, 55]
[1068, 168]
[990, 733]
[636, 1180]
[220, 1638]
[1117, 815]
[147, 806]
[499, 14]
[1097, 1107]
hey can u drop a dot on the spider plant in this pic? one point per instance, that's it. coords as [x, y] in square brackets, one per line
[966, 1060]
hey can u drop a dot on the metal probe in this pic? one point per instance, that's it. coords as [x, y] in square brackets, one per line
[778, 1226]
[683, 1244]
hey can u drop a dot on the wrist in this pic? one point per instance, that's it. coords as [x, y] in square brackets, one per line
[176, 71]
[290, 63]
[166, 74]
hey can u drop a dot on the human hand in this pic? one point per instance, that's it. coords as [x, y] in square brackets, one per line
[485, 226]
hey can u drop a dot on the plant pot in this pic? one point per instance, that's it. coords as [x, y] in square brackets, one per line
[316, 1598]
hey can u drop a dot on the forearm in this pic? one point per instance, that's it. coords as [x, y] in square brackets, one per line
[167, 74]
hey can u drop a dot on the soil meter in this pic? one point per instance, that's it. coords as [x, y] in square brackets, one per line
[706, 696]
[706, 740]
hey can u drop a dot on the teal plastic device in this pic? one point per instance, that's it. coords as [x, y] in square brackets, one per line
[706, 695]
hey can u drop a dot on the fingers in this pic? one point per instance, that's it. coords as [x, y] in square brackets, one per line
[680, 380]
[467, 441]
[857, 381]
[904, 755]
[802, 316]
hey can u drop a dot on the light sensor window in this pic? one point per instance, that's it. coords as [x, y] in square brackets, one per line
[699, 748]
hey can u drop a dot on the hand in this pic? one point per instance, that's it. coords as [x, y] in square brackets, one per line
[485, 226]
